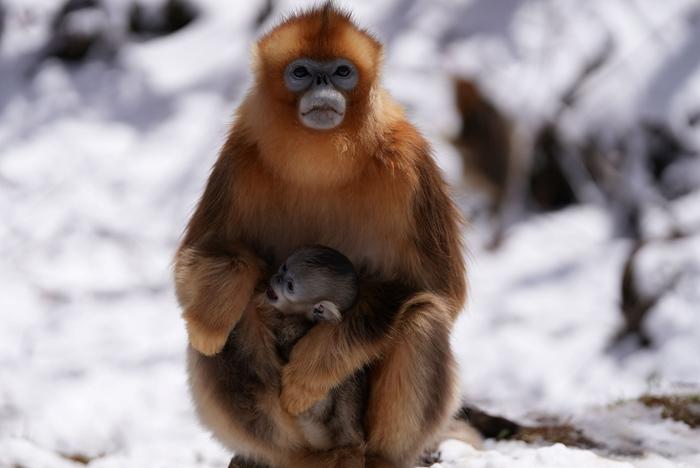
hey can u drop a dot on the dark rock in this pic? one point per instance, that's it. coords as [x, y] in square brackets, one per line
[549, 186]
[80, 28]
[149, 21]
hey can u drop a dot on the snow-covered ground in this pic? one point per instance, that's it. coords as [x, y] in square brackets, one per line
[101, 165]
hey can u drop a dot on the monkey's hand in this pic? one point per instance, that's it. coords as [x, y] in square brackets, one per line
[207, 340]
[298, 396]
[326, 311]
[214, 290]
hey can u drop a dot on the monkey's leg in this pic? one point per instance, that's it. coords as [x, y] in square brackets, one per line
[413, 388]
[214, 290]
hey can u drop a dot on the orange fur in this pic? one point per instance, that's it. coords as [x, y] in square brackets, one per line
[368, 188]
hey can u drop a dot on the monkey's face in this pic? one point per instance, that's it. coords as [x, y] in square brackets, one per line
[280, 293]
[320, 87]
[316, 71]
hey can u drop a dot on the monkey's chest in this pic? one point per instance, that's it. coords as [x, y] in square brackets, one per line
[370, 235]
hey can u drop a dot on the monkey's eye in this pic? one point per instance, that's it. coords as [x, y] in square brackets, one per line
[300, 72]
[343, 71]
[290, 286]
[284, 268]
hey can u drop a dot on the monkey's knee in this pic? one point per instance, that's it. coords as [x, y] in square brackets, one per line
[413, 389]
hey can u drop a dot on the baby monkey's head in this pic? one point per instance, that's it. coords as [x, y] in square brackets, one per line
[316, 281]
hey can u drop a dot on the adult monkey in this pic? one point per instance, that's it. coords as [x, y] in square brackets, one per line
[320, 154]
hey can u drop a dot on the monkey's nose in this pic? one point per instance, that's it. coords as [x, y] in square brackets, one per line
[322, 79]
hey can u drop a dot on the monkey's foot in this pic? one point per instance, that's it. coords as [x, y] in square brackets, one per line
[347, 457]
[378, 462]
[206, 340]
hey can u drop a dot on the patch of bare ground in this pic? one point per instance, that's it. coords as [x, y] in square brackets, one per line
[546, 431]
[683, 408]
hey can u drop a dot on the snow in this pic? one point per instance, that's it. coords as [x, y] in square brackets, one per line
[558, 276]
[101, 165]
[517, 455]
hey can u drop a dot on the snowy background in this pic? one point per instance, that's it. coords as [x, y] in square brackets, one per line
[111, 116]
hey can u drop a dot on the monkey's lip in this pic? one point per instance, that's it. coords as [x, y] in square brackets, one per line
[321, 109]
[270, 293]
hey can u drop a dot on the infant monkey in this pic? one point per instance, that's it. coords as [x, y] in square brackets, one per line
[318, 284]
[314, 284]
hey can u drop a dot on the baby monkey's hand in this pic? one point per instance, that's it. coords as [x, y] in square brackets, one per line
[326, 311]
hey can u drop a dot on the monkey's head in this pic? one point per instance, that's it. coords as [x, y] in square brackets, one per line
[311, 275]
[319, 68]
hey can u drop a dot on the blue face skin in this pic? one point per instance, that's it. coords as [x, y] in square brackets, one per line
[320, 85]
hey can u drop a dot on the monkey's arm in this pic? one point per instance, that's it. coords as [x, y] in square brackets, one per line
[331, 352]
[214, 290]
[215, 273]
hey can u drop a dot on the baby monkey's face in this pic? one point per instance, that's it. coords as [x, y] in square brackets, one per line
[311, 282]
[287, 291]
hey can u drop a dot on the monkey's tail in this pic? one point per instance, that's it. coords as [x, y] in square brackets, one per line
[459, 429]
[471, 425]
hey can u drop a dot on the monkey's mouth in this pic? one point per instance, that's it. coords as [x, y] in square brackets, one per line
[271, 296]
[323, 109]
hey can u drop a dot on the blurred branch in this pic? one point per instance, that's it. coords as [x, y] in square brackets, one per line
[264, 14]
[594, 64]
[2, 20]
[635, 304]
